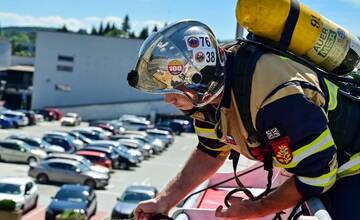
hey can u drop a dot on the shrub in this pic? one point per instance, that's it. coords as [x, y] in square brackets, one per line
[7, 205]
[71, 215]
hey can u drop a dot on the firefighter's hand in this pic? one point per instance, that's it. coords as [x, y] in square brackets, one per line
[146, 209]
[239, 209]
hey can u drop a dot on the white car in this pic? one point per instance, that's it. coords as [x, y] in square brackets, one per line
[21, 190]
[70, 119]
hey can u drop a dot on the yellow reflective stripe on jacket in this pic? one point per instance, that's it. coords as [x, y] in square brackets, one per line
[206, 132]
[326, 180]
[351, 167]
[333, 92]
[225, 148]
[323, 142]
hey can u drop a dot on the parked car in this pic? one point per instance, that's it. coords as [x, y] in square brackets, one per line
[67, 171]
[108, 127]
[131, 156]
[21, 190]
[19, 118]
[144, 148]
[6, 122]
[79, 136]
[81, 159]
[30, 115]
[116, 161]
[90, 134]
[164, 136]
[70, 119]
[39, 118]
[37, 143]
[127, 202]
[135, 125]
[96, 158]
[63, 140]
[58, 114]
[187, 124]
[47, 115]
[101, 131]
[19, 151]
[117, 125]
[79, 198]
[176, 127]
[157, 145]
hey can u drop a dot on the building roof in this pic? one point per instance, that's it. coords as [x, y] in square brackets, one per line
[19, 68]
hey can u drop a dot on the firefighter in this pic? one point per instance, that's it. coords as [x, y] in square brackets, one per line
[301, 120]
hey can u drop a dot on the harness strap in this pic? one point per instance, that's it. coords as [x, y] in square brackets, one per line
[242, 74]
[290, 24]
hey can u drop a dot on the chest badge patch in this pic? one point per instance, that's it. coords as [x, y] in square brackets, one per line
[282, 150]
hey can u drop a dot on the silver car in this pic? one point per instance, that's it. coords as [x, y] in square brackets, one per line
[80, 159]
[67, 171]
[19, 151]
[21, 190]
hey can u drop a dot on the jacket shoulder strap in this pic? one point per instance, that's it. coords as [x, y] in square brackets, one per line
[244, 66]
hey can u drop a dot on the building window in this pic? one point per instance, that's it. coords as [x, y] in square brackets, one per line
[64, 68]
[65, 58]
[63, 87]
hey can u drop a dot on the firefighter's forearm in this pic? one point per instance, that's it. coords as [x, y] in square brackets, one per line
[197, 169]
[282, 198]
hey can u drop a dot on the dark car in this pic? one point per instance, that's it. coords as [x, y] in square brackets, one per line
[63, 140]
[48, 115]
[79, 198]
[117, 159]
[130, 198]
[30, 115]
[80, 137]
[176, 127]
[91, 135]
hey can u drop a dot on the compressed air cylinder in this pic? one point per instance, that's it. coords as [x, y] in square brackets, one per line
[323, 42]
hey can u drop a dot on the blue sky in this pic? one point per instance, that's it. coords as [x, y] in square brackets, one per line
[219, 15]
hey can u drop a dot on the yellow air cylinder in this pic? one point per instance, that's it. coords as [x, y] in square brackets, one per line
[323, 42]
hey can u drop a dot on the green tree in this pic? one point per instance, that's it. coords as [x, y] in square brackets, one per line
[63, 29]
[19, 41]
[132, 35]
[93, 31]
[101, 29]
[155, 29]
[113, 27]
[144, 33]
[126, 24]
[82, 31]
[115, 33]
[107, 28]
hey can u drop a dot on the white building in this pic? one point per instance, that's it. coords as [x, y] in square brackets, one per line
[87, 74]
[5, 54]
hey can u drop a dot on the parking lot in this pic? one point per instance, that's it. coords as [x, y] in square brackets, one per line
[156, 171]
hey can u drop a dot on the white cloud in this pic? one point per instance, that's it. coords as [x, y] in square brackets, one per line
[354, 2]
[12, 19]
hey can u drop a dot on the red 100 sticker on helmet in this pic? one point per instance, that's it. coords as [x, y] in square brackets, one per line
[175, 67]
